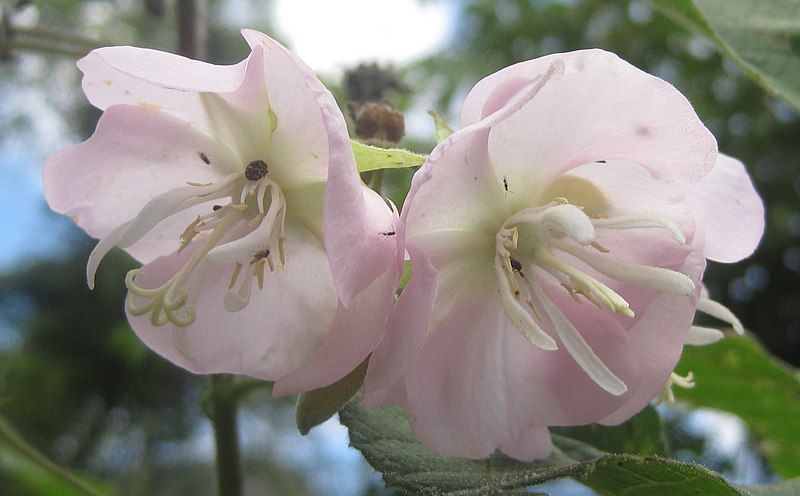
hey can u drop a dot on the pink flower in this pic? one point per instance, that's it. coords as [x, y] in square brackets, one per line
[237, 189]
[558, 242]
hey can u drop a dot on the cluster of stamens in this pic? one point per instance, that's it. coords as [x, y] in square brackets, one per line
[257, 208]
[538, 238]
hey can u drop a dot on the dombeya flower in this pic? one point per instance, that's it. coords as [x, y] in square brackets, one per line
[558, 243]
[237, 189]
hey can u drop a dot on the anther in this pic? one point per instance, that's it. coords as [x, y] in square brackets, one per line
[256, 170]
[516, 265]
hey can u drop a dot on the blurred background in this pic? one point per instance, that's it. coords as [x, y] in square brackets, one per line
[77, 384]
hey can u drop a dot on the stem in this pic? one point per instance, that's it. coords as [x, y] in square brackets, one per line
[191, 29]
[223, 407]
[11, 438]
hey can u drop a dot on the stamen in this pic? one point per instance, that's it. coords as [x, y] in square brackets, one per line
[578, 348]
[701, 336]
[642, 221]
[237, 269]
[657, 278]
[719, 311]
[594, 290]
[676, 380]
[156, 210]
[173, 297]
[516, 314]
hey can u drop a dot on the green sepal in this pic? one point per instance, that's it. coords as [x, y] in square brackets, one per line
[317, 406]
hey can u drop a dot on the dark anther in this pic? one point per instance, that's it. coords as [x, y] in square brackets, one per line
[256, 170]
[216, 207]
[601, 161]
[203, 157]
[516, 265]
[505, 183]
[260, 256]
[388, 233]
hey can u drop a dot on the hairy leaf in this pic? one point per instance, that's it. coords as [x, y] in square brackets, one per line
[740, 376]
[382, 434]
[761, 36]
[369, 158]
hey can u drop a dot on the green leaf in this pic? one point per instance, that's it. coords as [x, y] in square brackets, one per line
[369, 158]
[641, 435]
[443, 130]
[317, 406]
[384, 438]
[761, 36]
[740, 376]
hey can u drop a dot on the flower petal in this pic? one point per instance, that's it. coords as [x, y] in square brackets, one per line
[135, 154]
[281, 327]
[733, 213]
[602, 108]
[533, 444]
[658, 336]
[354, 334]
[315, 144]
[438, 219]
[478, 384]
[406, 330]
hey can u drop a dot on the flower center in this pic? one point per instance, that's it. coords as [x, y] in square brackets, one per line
[246, 231]
[538, 238]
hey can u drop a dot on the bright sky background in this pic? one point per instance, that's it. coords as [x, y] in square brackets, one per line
[329, 35]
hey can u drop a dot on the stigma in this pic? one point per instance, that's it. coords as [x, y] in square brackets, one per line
[244, 229]
[548, 238]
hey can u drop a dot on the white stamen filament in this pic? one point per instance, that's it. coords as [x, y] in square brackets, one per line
[173, 301]
[676, 380]
[719, 311]
[580, 350]
[518, 315]
[527, 242]
[642, 221]
[701, 336]
[657, 278]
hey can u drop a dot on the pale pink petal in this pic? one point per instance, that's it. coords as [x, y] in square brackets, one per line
[283, 325]
[478, 384]
[154, 79]
[533, 444]
[354, 334]
[456, 202]
[312, 133]
[658, 337]
[602, 108]
[406, 330]
[135, 154]
[733, 213]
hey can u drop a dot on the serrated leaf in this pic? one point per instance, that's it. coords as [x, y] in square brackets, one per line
[761, 36]
[641, 435]
[738, 375]
[443, 130]
[384, 438]
[317, 406]
[369, 158]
